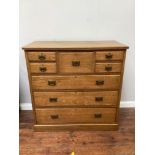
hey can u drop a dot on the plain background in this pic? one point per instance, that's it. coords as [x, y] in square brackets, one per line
[145, 77]
[78, 20]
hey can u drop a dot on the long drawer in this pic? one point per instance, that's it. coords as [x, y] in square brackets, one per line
[46, 99]
[75, 115]
[76, 82]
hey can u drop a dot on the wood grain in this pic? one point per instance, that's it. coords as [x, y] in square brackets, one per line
[43, 68]
[74, 45]
[121, 142]
[105, 98]
[108, 67]
[76, 82]
[75, 115]
[77, 127]
[120, 88]
[86, 62]
[109, 55]
[34, 56]
[67, 70]
[30, 85]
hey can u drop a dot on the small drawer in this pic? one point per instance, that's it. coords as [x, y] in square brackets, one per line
[50, 99]
[75, 115]
[41, 56]
[76, 62]
[109, 55]
[43, 67]
[76, 82]
[108, 67]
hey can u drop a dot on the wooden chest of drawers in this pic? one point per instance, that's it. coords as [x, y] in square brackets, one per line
[75, 85]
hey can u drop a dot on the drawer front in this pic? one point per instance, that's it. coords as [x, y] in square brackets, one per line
[109, 55]
[108, 67]
[76, 82]
[76, 62]
[43, 67]
[75, 115]
[75, 98]
[41, 56]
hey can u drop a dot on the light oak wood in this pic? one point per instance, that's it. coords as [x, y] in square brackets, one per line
[51, 99]
[75, 115]
[108, 67]
[30, 85]
[75, 78]
[109, 55]
[43, 68]
[76, 127]
[85, 59]
[120, 88]
[76, 82]
[120, 142]
[46, 56]
[74, 45]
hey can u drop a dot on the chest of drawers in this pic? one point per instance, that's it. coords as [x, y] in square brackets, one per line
[75, 85]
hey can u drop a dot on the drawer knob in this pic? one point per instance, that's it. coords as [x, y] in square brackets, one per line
[98, 99]
[108, 68]
[41, 57]
[99, 82]
[108, 56]
[97, 115]
[51, 83]
[43, 69]
[75, 63]
[54, 116]
[53, 99]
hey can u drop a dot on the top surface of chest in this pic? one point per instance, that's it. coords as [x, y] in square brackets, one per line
[74, 45]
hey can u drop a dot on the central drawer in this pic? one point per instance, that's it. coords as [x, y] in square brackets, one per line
[46, 99]
[76, 82]
[75, 115]
[76, 62]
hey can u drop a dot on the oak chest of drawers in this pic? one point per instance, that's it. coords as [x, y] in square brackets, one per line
[75, 85]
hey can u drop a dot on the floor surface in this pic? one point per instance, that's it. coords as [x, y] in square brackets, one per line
[119, 142]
